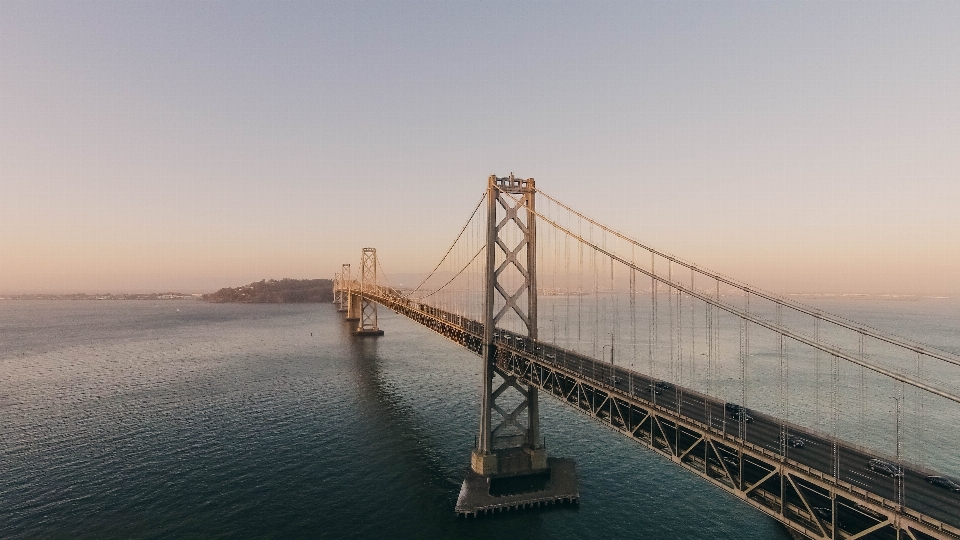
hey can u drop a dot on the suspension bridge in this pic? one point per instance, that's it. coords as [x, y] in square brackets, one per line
[833, 428]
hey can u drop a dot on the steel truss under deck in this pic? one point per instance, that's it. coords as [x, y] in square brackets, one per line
[810, 502]
[803, 499]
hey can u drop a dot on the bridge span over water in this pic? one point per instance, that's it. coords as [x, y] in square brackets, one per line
[835, 429]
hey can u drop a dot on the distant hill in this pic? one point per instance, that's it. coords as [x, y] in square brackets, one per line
[284, 291]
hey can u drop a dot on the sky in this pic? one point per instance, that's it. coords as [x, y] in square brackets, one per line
[187, 146]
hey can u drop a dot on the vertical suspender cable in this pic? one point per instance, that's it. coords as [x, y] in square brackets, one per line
[746, 357]
[835, 460]
[899, 461]
[616, 315]
[835, 410]
[653, 326]
[816, 356]
[680, 382]
[783, 407]
[708, 335]
[693, 330]
[596, 304]
[673, 366]
[920, 425]
[580, 295]
[743, 380]
[862, 426]
[633, 311]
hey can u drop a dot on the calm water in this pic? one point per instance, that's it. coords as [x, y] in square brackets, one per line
[187, 420]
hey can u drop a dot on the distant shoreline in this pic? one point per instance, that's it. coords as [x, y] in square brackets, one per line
[84, 296]
[272, 291]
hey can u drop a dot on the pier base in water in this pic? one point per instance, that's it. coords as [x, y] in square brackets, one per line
[514, 487]
[368, 333]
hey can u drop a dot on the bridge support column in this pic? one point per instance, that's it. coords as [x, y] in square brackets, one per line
[336, 288]
[366, 310]
[509, 451]
[483, 463]
[353, 306]
[343, 297]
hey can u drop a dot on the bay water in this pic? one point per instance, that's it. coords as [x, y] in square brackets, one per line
[182, 419]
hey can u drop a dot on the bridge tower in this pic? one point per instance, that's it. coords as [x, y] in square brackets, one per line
[344, 297]
[499, 302]
[336, 289]
[351, 298]
[508, 447]
[367, 311]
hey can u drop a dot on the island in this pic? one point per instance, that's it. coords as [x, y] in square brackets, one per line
[272, 291]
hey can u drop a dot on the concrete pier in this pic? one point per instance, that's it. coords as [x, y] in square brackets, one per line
[367, 332]
[487, 494]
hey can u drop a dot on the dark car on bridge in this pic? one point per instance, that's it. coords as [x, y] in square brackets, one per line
[883, 466]
[793, 441]
[663, 385]
[735, 407]
[944, 482]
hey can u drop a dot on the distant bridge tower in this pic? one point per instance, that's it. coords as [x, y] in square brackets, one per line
[368, 284]
[344, 288]
[336, 288]
[503, 297]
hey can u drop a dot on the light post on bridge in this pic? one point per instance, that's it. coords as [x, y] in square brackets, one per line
[611, 352]
[603, 354]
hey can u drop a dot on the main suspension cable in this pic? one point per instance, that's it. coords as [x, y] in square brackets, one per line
[467, 224]
[477, 254]
[384, 274]
[761, 322]
[793, 304]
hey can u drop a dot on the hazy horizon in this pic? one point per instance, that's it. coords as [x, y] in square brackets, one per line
[800, 147]
[412, 280]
